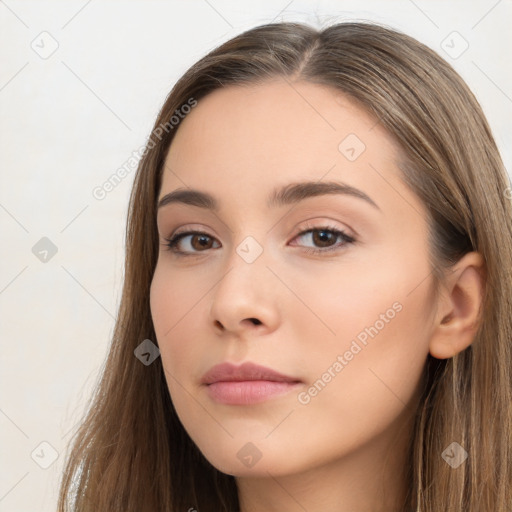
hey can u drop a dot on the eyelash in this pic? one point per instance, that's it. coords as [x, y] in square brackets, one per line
[171, 243]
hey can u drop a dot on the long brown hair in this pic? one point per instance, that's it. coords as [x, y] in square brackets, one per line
[132, 454]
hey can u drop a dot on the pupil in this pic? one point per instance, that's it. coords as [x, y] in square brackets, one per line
[203, 240]
[325, 236]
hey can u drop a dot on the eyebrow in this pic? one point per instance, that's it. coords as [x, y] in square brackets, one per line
[289, 194]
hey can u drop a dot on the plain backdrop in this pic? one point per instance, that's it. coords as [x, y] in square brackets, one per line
[80, 85]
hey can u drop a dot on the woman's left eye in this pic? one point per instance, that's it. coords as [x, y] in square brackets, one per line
[324, 236]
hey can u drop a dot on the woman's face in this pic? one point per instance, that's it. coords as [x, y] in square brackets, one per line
[348, 324]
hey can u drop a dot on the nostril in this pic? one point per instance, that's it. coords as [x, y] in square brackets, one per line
[255, 321]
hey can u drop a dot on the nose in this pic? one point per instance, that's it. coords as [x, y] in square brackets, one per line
[254, 321]
[245, 298]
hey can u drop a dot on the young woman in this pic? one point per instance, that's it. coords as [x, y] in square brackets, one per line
[316, 312]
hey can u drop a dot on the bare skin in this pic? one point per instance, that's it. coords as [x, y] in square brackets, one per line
[342, 445]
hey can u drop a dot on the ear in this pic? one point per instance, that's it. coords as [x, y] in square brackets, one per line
[459, 307]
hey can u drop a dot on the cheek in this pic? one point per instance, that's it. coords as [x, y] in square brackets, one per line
[173, 298]
[384, 300]
[369, 342]
[174, 307]
[358, 390]
[177, 302]
[366, 375]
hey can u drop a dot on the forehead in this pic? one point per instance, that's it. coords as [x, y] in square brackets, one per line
[254, 137]
[291, 111]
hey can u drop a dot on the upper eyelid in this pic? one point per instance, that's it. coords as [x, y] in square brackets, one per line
[325, 225]
[337, 213]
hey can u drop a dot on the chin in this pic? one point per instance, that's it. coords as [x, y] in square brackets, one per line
[243, 459]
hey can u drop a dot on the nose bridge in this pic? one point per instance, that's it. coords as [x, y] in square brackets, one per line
[245, 290]
[246, 267]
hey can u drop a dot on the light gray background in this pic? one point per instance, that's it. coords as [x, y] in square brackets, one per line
[69, 120]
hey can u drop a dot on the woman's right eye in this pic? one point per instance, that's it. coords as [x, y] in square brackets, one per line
[198, 240]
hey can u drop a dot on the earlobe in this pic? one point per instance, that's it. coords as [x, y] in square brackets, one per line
[459, 307]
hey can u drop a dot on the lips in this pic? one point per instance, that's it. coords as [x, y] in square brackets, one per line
[227, 372]
[247, 384]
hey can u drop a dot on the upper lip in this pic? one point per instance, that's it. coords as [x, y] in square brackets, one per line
[227, 372]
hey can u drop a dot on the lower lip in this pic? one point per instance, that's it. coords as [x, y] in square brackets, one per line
[248, 392]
